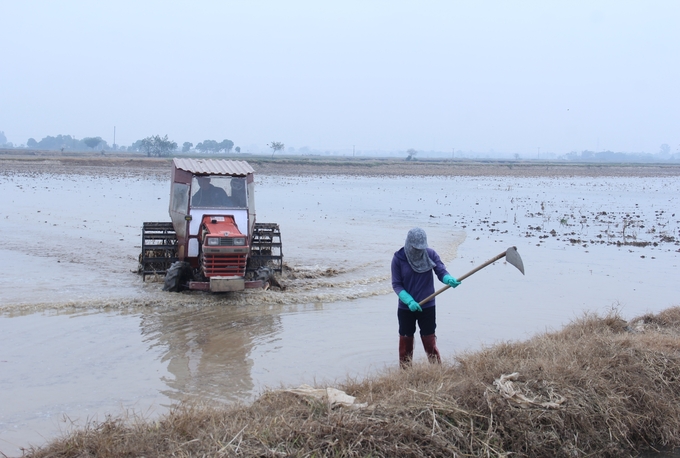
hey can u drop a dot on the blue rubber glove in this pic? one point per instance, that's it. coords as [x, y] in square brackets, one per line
[449, 280]
[407, 299]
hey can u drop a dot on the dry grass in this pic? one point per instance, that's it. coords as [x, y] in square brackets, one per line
[620, 383]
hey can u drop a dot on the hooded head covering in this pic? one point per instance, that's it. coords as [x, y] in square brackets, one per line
[415, 249]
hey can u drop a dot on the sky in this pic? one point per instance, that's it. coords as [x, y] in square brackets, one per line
[520, 77]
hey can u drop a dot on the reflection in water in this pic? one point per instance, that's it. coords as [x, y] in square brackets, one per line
[208, 349]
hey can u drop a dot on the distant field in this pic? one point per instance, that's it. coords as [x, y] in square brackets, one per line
[90, 162]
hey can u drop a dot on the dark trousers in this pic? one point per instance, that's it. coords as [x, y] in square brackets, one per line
[426, 321]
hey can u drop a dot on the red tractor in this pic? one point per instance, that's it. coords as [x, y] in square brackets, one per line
[213, 242]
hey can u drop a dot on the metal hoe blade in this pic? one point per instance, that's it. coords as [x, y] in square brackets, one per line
[512, 256]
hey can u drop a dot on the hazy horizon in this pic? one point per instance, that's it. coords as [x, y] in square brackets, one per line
[514, 78]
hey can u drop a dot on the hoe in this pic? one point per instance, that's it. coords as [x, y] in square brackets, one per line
[511, 255]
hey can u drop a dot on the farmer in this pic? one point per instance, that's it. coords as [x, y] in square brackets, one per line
[412, 280]
[238, 192]
[209, 195]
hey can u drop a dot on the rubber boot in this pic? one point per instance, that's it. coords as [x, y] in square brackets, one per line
[405, 351]
[430, 344]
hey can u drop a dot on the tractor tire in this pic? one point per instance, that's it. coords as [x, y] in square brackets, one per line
[177, 276]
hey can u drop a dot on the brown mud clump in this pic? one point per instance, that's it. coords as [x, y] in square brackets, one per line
[599, 387]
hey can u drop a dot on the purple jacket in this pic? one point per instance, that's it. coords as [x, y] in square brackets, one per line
[418, 285]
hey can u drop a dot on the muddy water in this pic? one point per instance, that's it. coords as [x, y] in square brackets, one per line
[83, 337]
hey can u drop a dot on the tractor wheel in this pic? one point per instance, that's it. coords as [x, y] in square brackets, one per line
[176, 276]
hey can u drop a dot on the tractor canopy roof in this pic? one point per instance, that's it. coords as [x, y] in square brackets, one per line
[213, 167]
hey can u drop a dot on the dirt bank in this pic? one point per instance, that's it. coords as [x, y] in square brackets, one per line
[91, 163]
[599, 387]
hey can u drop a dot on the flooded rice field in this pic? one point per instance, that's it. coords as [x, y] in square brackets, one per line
[83, 337]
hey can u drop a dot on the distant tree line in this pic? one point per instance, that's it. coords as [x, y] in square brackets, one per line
[162, 146]
[66, 142]
[212, 146]
[611, 156]
[154, 145]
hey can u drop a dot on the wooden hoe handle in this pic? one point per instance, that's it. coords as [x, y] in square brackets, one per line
[461, 278]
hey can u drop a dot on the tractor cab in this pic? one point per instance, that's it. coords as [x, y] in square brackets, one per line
[218, 244]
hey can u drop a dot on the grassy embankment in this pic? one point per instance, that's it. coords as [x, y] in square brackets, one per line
[598, 387]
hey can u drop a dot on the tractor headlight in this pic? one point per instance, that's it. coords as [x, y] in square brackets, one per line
[239, 241]
[213, 241]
